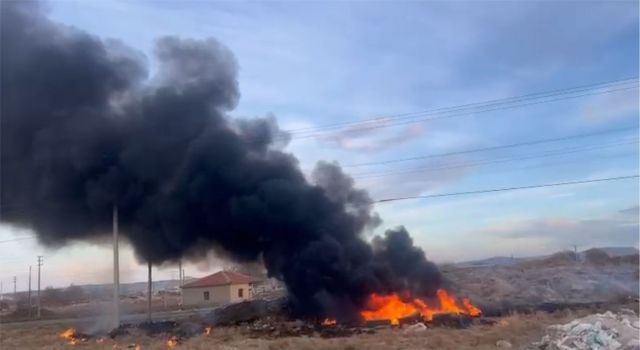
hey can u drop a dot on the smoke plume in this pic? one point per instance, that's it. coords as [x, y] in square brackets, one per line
[84, 127]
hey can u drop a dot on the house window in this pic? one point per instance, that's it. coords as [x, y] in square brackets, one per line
[240, 292]
[206, 295]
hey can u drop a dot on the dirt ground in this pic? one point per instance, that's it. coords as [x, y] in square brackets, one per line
[88, 309]
[518, 329]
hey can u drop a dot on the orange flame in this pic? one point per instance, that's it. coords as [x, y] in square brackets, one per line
[473, 311]
[68, 334]
[72, 336]
[392, 308]
[207, 330]
[138, 347]
[172, 342]
[387, 307]
[100, 340]
[328, 322]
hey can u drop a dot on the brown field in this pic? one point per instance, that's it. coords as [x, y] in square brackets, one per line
[518, 329]
[92, 308]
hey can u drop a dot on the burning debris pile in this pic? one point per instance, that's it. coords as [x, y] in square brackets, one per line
[73, 149]
[392, 314]
[259, 318]
[393, 308]
[380, 309]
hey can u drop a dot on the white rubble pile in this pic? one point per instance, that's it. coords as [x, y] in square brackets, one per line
[607, 331]
[416, 328]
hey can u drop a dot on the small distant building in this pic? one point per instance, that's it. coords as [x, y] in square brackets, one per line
[222, 287]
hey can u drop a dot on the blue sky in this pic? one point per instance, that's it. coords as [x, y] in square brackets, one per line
[317, 63]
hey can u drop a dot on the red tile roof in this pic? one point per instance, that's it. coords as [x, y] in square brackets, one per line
[221, 278]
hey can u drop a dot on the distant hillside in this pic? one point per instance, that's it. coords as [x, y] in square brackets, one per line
[494, 261]
[507, 261]
[618, 251]
[134, 287]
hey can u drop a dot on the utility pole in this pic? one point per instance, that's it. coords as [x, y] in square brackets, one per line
[149, 291]
[15, 295]
[39, 301]
[179, 273]
[29, 295]
[575, 251]
[116, 270]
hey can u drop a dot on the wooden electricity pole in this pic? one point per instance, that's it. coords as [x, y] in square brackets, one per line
[149, 291]
[29, 295]
[39, 298]
[179, 273]
[116, 271]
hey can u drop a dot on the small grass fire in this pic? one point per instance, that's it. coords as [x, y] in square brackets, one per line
[73, 337]
[328, 322]
[172, 342]
[394, 308]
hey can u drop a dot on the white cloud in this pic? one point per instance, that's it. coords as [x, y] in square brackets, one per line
[612, 106]
[558, 233]
[366, 138]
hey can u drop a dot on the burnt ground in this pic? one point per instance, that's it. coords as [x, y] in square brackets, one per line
[518, 329]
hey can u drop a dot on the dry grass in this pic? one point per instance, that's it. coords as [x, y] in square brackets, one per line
[520, 330]
[88, 309]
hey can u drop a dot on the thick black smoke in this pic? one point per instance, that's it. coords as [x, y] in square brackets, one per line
[83, 129]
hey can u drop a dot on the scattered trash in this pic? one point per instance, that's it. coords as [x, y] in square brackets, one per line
[503, 344]
[607, 331]
[415, 328]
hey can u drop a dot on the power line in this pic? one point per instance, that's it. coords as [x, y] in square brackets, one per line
[551, 153]
[545, 154]
[491, 148]
[475, 104]
[499, 104]
[461, 114]
[557, 163]
[18, 239]
[510, 188]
